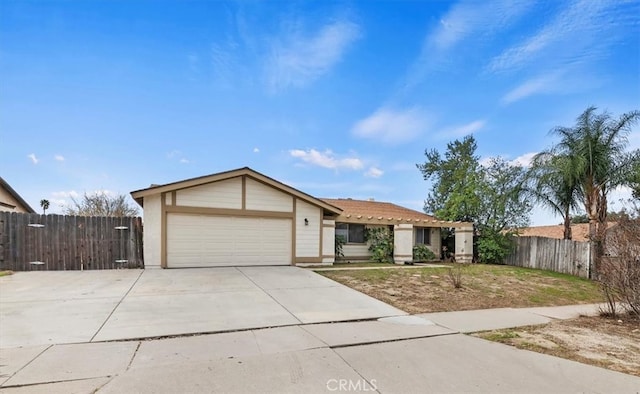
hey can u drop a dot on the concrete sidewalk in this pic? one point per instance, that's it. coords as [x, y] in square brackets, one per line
[495, 319]
[396, 354]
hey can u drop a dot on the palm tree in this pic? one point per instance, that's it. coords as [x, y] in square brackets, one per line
[597, 146]
[44, 203]
[553, 184]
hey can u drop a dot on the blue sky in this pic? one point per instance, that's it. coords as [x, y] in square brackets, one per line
[338, 99]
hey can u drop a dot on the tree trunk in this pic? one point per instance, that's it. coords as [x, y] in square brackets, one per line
[567, 226]
[591, 206]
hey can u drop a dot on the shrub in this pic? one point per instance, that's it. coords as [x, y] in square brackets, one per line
[423, 253]
[494, 247]
[339, 245]
[619, 274]
[380, 244]
[455, 275]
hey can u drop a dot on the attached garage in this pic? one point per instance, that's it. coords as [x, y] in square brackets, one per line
[207, 241]
[235, 218]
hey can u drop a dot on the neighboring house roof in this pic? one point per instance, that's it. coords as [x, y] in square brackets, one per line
[9, 204]
[138, 195]
[579, 232]
[385, 213]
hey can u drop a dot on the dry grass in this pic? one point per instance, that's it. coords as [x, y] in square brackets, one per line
[6, 273]
[604, 342]
[421, 290]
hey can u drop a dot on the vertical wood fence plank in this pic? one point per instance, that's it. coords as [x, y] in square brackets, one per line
[69, 242]
[569, 257]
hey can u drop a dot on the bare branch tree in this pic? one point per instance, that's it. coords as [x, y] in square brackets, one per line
[101, 204]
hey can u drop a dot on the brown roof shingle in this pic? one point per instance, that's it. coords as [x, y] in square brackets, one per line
[579, 232]
[377, 212]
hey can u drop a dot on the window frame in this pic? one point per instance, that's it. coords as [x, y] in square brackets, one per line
[424, 231]
[349, 234]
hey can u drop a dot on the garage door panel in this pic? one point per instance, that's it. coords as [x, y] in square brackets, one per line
[206, 241]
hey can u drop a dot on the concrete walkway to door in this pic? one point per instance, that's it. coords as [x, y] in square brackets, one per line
[57, 307]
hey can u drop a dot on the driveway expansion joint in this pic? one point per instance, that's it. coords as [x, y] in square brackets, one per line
[117, 305]
[55, 381]
[24, 366]
[268, 294]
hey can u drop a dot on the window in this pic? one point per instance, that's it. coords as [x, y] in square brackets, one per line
[352, 233]
[423, 236]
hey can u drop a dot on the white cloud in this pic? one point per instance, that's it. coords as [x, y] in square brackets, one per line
[465, 21]
[177, 155]
[486, 161]
[542, 84]
[392, 126]
[581, 32]
[59, 157]
[524, 160]
[60, 203]
[106, 192]
[302, 59]
[634, 140]
[65, 194]
[374, 172]
[173, 154]
[256, 150]
[33, 158]
[463, 130]
[327, 159]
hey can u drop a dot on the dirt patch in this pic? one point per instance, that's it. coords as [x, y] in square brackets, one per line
[604, 342]
[483, 286]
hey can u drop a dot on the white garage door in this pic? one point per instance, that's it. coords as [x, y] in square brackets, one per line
[210, 241]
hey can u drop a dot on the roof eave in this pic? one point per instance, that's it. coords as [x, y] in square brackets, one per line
[138, 195]
[15, 195]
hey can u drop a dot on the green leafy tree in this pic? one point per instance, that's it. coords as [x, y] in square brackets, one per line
[455, 191]
[634, 180]
[492, 196]
[44, 203]
[598, 145]
[579, 219]
[503, 204]
[101, 204]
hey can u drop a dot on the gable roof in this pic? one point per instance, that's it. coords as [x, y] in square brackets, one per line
[579, 232]
[139, 195]
[385, 213]
[16, 196]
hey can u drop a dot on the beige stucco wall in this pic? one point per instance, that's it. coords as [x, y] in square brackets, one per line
[464, 245]
[265, 198]
[7, 198]
[308, 236]
[403, 238]
[328, 241]
[151, 235]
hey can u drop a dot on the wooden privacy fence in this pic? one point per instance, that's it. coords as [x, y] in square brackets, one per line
[559, 255]
[32, 242]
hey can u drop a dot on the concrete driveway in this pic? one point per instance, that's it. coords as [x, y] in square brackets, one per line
[54, 327]
[44, 308]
